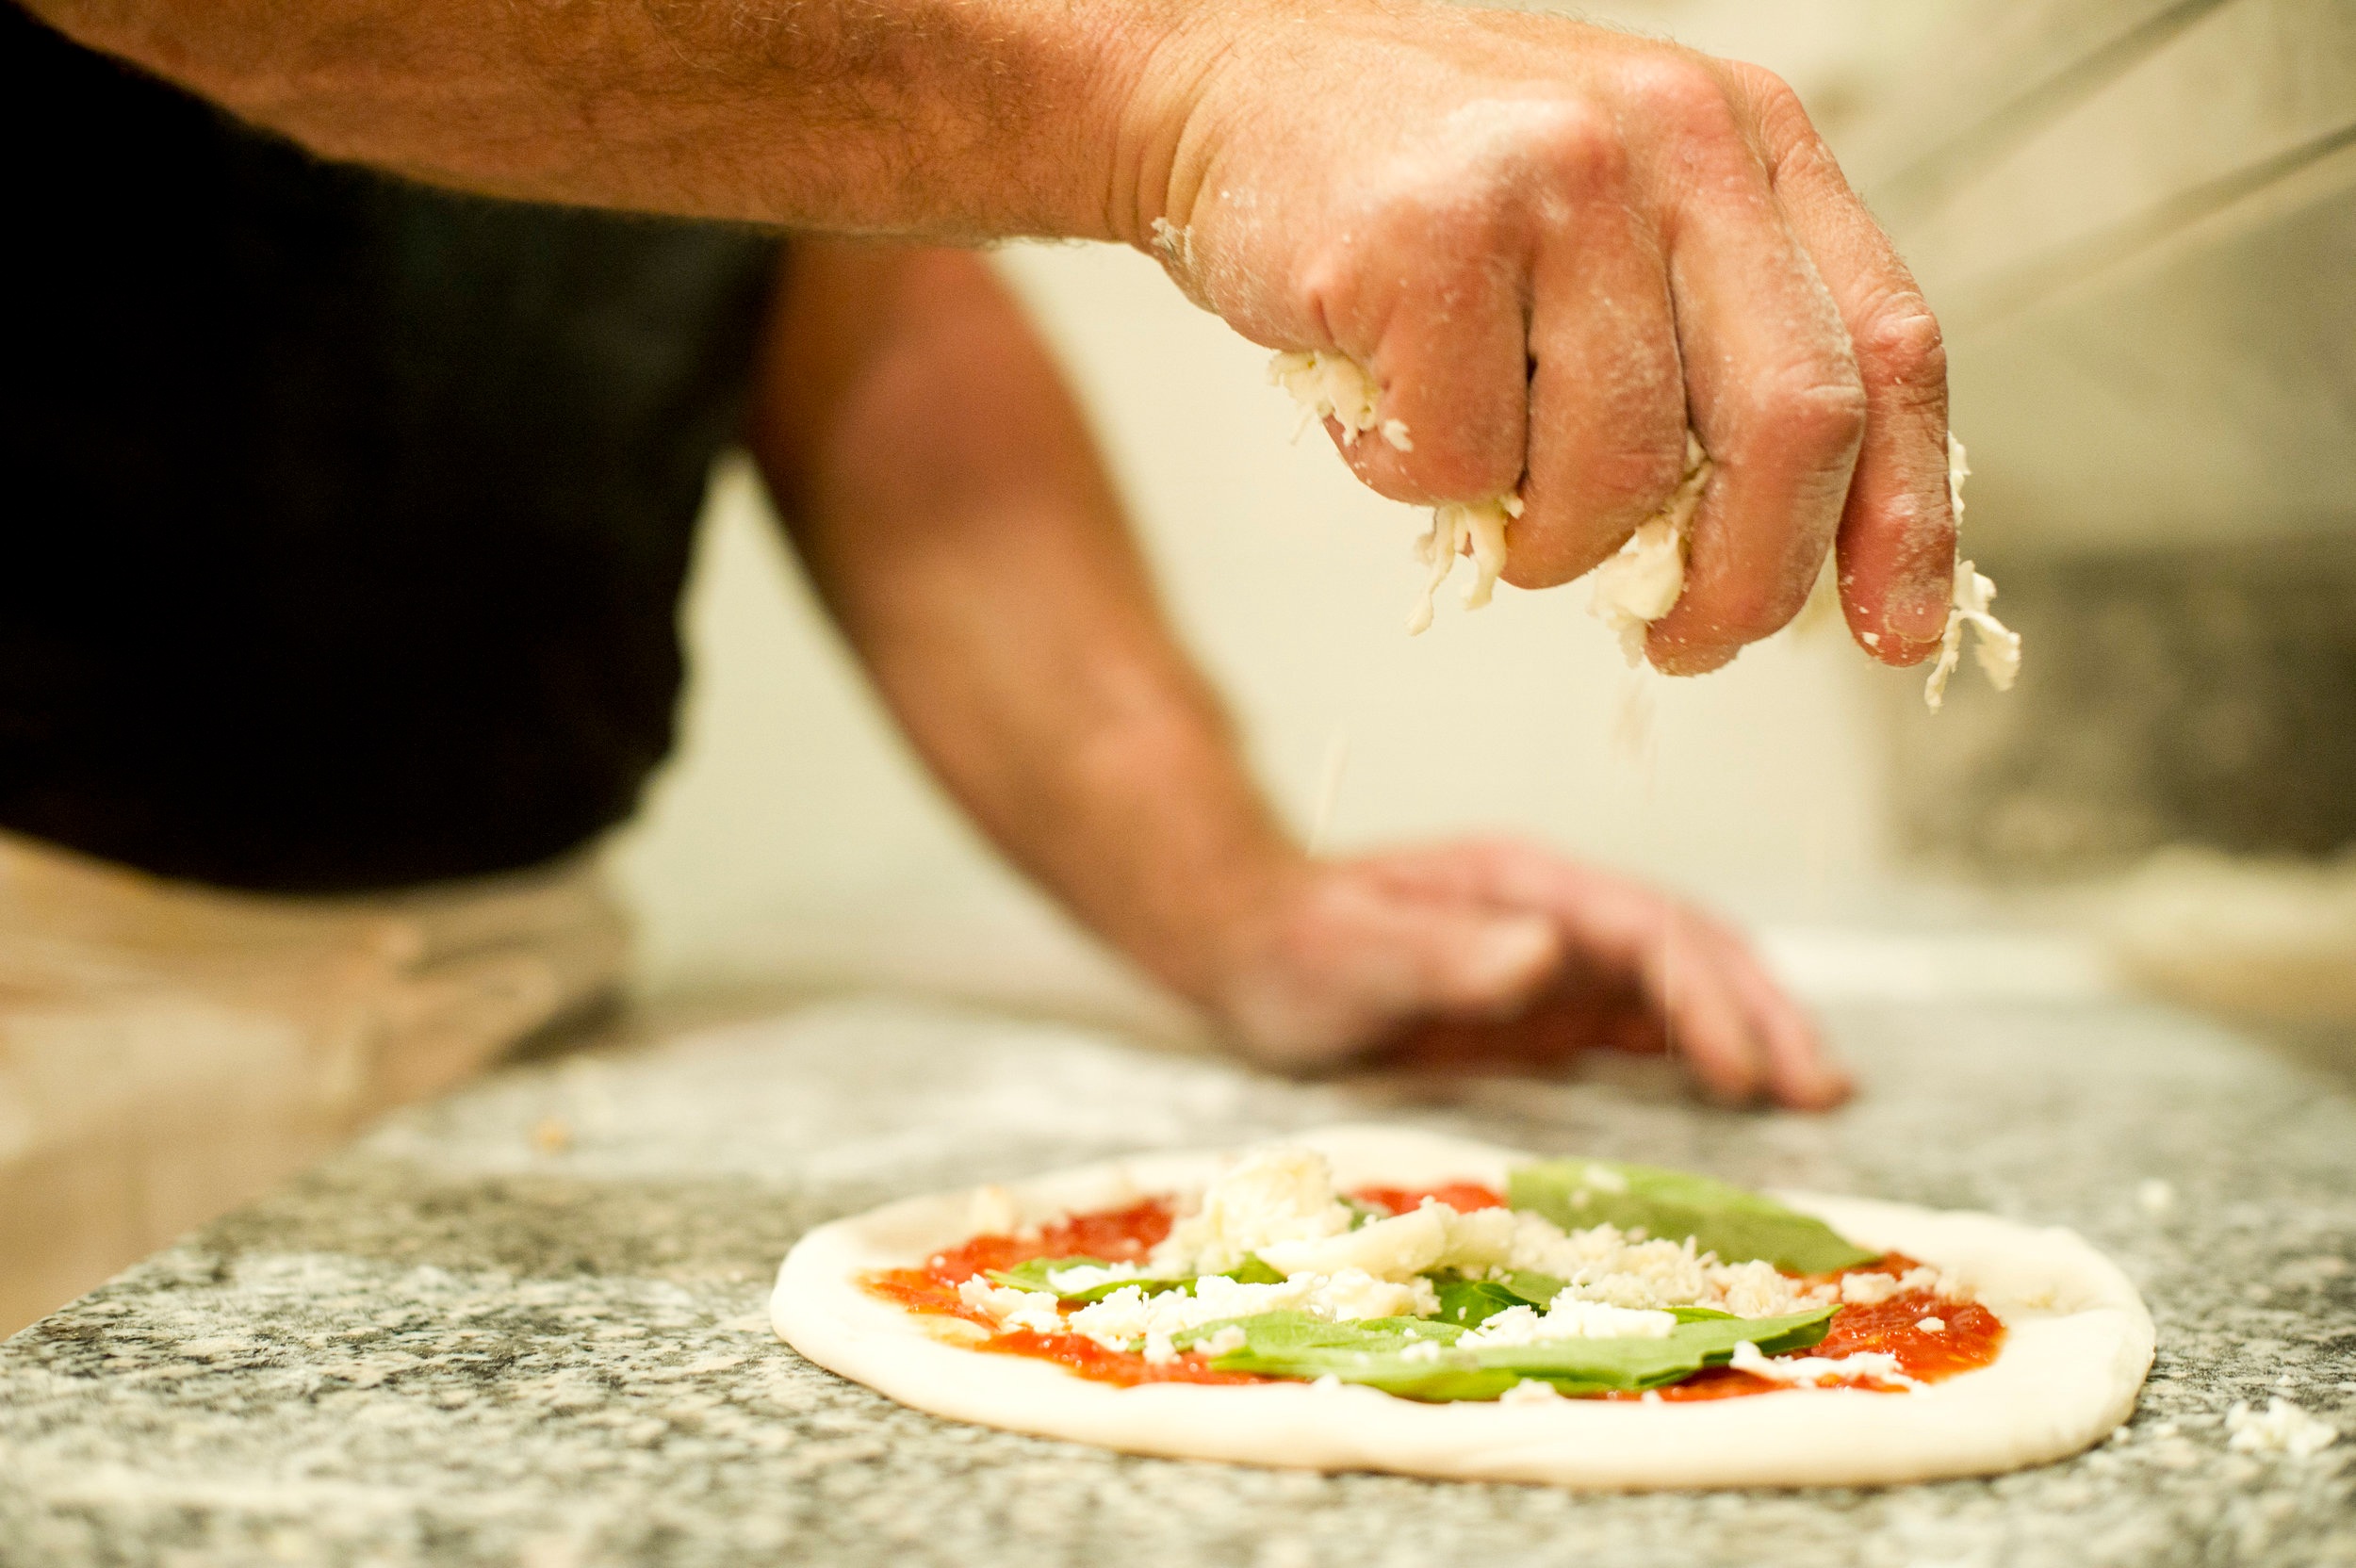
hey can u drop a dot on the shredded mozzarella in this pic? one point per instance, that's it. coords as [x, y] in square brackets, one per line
[1531, 1391]
[1126, 1317]
[1034, 1309]
[1996, 648]
[1336, 387]
[1267, 1198]
[1638, 586]
[1088, 1276]
[1871, 1290]
[1394, 1249]
[1569, 1318]
[1809, 1371]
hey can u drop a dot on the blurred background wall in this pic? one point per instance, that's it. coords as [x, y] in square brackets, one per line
[2136, 218]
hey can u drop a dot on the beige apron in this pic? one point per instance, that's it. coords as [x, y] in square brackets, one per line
[169, 1049]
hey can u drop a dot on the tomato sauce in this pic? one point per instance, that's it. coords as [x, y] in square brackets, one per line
[1464, 1197]
[1972, 1335]
[1117, 1235]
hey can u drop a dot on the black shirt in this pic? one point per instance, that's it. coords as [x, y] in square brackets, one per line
[344, 519]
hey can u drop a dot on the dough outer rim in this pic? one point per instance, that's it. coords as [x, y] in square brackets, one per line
[2079, 1344]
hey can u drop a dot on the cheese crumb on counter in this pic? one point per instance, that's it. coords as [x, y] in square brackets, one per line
[2281, 1427]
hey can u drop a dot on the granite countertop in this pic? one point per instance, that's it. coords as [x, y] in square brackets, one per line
[525, 1325]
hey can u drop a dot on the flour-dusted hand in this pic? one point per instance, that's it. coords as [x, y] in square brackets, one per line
[1500, 955]
[1550, 245]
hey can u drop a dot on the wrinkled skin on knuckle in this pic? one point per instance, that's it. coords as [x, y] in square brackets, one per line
[1774, 110]
[1902, 342]
[1814, 409]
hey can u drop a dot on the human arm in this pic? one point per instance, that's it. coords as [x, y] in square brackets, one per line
[943, 493]
[1554, 246]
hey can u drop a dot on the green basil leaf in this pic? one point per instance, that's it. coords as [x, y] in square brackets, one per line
[1733, 1222]
[1468, 1303]
[1032, 1276]
[1294, 1345]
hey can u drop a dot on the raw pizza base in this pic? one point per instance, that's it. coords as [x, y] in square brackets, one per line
[2078, 1344]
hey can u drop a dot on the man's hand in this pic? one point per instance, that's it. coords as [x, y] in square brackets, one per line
[951, 510]
[1554, 247]
[1501, 954]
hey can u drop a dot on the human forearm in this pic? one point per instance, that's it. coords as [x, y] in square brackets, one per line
[944, 494]
[940, 116]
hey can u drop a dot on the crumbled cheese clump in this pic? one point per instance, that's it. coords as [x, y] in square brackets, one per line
[1997, 647]
[1809, 1371]
[1128, 1319]
[1336, 387]
[1638, 586]
[1281, 1206]
[1269, 1198]
[1034, 1309]
[1604, 1264]
[1569, 1318]
[1088, 1276]
[1531, 1391]
[2281, 1427]
[1871, 1290]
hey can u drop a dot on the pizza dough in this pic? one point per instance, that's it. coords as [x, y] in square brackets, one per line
[2078, 1345]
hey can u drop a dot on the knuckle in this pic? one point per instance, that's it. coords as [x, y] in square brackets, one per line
[1818, 405]
[1903, 344]
[1577, 151]
[1678, 89]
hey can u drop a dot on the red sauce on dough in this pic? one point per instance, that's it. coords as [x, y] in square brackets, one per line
[1971, 1338]
[1464, 1197]
[1117, 1235]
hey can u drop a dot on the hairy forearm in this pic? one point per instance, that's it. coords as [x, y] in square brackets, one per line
[944, 494]
[935, 117]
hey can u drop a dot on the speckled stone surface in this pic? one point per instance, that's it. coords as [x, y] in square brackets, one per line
[453, 1346]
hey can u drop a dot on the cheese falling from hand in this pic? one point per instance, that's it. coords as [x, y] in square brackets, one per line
[1997, 646]
[1640, 584]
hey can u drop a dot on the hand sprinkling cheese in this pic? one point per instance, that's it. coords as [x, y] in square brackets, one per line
[1640, 584]
[1998, 648]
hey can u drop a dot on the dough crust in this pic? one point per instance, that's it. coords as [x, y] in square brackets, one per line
[2079, 1344]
